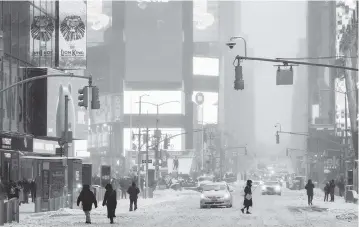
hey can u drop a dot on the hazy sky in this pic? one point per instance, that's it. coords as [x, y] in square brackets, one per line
[273, 29]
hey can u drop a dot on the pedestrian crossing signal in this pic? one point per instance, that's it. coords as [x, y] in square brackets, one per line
[277, 138]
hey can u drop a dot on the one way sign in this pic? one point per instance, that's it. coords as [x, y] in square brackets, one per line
[149, 161]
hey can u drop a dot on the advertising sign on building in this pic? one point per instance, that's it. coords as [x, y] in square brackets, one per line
[16, 143]
[72, 38]
[45, 146]
[42, 38]
[105, 175]
[57, 89]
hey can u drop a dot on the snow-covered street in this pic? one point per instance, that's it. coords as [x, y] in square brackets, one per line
[179, 209]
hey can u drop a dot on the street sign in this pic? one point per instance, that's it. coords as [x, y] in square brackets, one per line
[199, 98]
[144, 161]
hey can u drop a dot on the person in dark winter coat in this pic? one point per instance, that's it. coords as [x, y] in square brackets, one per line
[13, 191]
[133, 191]
[247, 197]
[310, 191]
[331, 190]
[326, 191]
[110, 200]
[87, 198]
[33, 190]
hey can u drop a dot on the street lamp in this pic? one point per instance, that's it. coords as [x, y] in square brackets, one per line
[238, 82]
[139, 142]
[156, 133]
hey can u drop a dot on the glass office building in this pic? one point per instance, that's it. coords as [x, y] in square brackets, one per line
[20, 52]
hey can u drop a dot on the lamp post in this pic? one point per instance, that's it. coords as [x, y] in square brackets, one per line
[157, 136]
[139, 142]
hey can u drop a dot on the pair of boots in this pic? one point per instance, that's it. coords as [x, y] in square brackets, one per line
[246, 212]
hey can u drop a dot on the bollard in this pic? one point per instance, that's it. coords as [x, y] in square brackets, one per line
[150, 193]
[2, 213]
[17, 212]
[37, 204]
[8, 212]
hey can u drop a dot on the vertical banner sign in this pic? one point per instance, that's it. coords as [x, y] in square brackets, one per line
[86, 174]
[72, 38]
[42, 38]
[105, 175]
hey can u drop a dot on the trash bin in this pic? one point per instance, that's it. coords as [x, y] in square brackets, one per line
[149, 193]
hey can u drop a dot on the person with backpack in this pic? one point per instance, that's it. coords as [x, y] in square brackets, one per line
[110, 200]
[87, 198]
[247, 197]
[310, 191]
[133, 191]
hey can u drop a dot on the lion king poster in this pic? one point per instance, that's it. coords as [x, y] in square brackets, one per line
[42, 38]
[72, 34]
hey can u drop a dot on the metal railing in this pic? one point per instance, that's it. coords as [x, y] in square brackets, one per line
[9, 211]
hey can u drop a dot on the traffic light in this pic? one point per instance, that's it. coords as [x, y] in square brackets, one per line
[238, 82]
[95, 102]
[166, 143]
[84, 97]
[277, 138]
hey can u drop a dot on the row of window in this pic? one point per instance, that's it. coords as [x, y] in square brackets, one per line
[16, 23]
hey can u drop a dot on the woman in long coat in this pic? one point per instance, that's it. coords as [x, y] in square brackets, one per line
[247, 197]
[110, 201]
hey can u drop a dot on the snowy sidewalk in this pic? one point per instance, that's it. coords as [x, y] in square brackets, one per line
[66, 217]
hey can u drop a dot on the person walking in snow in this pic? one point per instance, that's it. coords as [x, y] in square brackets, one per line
[310, 191]
[326, 192]
[247, 197]
[331, 190]
[133, 191]
[87, 198]
[110, 200]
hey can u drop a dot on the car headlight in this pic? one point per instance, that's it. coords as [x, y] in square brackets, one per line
[277, 188]
[263, 188]
[203, 196]
[227, 196]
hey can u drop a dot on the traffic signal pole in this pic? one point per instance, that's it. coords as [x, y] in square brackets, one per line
[42, 77]
[147, 148]
[66, 152]
[294, 62]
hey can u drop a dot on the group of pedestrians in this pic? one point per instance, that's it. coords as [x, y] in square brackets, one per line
[88, 199]
[20, 190]
[329, 189]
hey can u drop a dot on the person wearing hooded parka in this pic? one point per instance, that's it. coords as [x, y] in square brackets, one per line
[110, 200]
[87, 198]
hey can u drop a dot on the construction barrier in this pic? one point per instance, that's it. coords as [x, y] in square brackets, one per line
[9, 211]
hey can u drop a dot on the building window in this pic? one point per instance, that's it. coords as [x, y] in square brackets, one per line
[205, 66]
[131, 99]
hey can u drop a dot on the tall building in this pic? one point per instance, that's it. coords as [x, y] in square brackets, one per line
[169, 50]
[321, 33]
